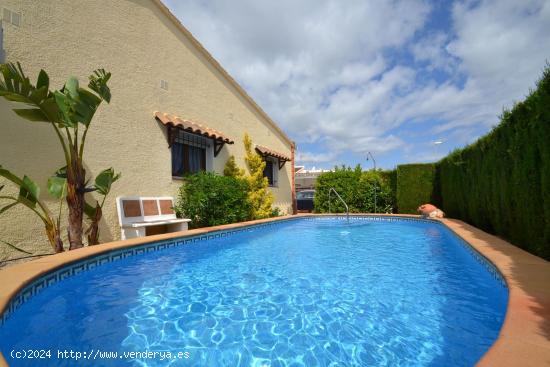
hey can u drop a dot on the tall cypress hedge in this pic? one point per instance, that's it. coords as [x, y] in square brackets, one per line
[501, 183]
[415, 186]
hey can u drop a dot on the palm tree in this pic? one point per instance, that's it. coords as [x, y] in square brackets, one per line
[69, 111]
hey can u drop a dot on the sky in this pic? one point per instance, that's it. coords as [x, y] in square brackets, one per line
[407, 80]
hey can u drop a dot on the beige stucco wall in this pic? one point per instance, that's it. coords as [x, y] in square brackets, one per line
[140, 45]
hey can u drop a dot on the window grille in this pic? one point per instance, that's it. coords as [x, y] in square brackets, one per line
[191, 139]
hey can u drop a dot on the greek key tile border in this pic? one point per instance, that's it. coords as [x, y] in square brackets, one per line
[487, 264]
[373, 218]
[39, 284]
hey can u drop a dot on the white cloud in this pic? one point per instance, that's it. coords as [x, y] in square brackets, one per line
[502, 45]
[329, 73]
[433, 51]
[308, 157]
[292, 56]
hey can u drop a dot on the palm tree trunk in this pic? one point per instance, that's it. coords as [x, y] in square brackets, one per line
[75, 201]
[75, 219]
[93, 231]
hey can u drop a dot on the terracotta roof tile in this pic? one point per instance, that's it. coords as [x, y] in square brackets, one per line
[266, 151]
[192, 127]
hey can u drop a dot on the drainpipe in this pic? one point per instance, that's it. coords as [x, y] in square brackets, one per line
[292, 181]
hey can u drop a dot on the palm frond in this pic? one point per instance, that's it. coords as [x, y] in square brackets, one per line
[15, 247]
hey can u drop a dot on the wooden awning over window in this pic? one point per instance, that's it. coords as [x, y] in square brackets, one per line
[266, 152]
[175, 122]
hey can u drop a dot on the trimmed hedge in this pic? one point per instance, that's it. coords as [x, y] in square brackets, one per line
[414, 187]
[356, 188]
[501, 183]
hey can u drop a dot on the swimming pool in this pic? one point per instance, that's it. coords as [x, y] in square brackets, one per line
[302, 292]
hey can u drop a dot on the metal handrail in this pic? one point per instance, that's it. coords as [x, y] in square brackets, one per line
[339, 197]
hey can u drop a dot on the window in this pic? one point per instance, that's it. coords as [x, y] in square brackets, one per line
[189, 154]
[12, 17]
[268, 172]
[16, 19]
[271, 171]
[7, 15]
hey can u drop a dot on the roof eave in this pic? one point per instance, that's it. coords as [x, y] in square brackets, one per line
[223, 72]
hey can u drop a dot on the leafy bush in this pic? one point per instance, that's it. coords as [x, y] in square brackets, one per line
[385, 197]
[415, 186]
[390, 177]
[276, 212]
[356, 188]
[231, 169]
[209, 199]
[501, 183]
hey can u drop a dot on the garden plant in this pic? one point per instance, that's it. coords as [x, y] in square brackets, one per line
[69, 111]
[357, 188]
[209, 199]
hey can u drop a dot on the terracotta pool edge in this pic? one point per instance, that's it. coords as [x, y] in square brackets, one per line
[510, 349]
[521, 340]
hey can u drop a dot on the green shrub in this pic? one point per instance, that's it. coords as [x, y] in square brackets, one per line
[231, 169]
[356, 188]
[390, 177]
[276, 212]
[501, 183]
[209, 199]
[415, 186]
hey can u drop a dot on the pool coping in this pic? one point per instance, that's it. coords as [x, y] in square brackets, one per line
[524, 338]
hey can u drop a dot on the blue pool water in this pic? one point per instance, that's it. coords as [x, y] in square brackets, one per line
[305, 292]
